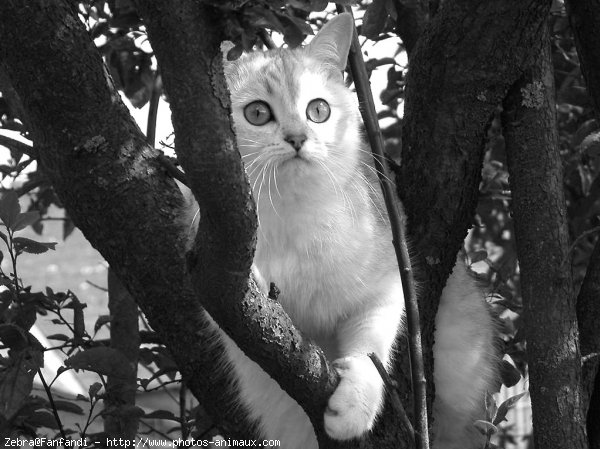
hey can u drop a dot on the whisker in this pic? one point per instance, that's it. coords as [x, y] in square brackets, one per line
[271, 165]
[275, 179]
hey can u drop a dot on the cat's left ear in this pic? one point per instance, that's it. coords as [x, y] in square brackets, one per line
[332, 43]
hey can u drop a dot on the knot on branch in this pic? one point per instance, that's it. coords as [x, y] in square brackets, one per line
[94, 145]
[533, 95]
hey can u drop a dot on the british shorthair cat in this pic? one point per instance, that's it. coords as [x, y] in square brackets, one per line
[324, 239]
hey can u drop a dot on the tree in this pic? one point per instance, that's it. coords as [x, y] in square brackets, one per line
[466, 62]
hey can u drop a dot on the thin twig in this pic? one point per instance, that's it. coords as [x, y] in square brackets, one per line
[54, 409]
[367, 108]
[172, 170]
[18, 145]
[182, 411]
[391, 386]
[153, 110]
[266, 38]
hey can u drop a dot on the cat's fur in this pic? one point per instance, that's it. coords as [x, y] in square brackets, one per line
[324, 240]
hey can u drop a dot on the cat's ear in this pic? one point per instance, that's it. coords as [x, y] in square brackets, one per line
[332, 43]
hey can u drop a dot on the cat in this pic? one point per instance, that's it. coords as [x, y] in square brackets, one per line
[324, 240]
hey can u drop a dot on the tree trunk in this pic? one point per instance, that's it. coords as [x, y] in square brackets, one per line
[119, 422]
[584, 16]
[588, 318]
[542, 238]
[461, 69]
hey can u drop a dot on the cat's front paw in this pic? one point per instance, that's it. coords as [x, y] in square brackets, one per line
[352, 408]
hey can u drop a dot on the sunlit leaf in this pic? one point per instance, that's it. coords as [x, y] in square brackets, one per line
[505, 407]
[485, 427]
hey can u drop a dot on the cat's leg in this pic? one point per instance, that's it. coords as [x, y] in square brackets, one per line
[277, 415]
[354, 405]
[465, 361]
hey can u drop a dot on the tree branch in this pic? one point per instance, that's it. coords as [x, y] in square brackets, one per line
[541, 232]
[111, 184]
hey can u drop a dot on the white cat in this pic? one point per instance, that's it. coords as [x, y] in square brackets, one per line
[324, 240]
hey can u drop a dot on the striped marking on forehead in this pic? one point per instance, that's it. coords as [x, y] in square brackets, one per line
[280, 73]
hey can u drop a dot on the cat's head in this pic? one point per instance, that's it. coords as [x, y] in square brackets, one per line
[296, 122]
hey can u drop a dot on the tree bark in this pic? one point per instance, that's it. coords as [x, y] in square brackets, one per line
[584, 16]
[588, 318]
[119, 422]
[113, 187]
[462, 67]
[549, 320]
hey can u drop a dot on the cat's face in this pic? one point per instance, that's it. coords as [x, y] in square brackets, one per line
[295, 121]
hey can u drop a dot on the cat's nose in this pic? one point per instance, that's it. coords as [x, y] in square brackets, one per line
[296, 140]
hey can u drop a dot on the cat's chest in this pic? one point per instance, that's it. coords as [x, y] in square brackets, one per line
[317, 268]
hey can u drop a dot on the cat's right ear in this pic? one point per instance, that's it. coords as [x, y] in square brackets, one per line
[332, 43]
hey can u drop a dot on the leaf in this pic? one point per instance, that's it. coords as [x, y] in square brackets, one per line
[107, 361]
[509, 374]
[25, 219]
[591, 144]
[485, 427]
[78, 319]
[9, 208]
[235, 52]
[68, 406]
[4, 237]
[81, 397]
[43, 419]
[16, 381]
[68, 227]
[162, 414]
[23, 244]
[309, 5]
[374, 19]
[94, 389]
[101, 321]
[505, 407]
[13, 337]
[60, 337]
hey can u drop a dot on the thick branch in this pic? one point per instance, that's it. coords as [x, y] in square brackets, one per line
[541, 232]
[112, 185]
[461, 68]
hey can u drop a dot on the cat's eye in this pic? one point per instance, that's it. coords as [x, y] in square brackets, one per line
[258, 113]
[318, 110]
